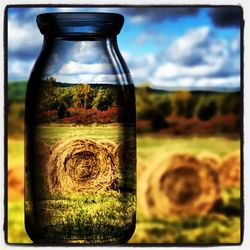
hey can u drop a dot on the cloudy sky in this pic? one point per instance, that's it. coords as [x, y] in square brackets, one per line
[169, 48]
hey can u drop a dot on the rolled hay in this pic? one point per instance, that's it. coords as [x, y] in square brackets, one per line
[141, 167]
[210, 159]
[110, 145]
[78, 165]
[15, 183]
[125, 154]
[42, 153]
[37, 154]
[144, 171]
[229, 172]
[180, 184]
[125, 162]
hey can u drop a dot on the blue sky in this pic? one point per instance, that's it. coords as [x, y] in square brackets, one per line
[169, 48]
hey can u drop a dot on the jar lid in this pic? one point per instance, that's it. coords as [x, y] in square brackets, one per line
[80, 23]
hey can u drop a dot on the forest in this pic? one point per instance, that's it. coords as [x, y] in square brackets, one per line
[172, 112]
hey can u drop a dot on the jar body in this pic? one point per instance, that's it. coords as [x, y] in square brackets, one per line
[80, 146]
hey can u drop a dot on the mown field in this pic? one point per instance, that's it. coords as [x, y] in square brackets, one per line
[218, 226]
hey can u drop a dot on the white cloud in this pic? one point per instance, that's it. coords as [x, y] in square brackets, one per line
[235, 44]
[138, 19]
[89, 52]
[142, 38]
[17, 69]
[219, 81]
[87, 78]
[168, 71]
[173, 70]
[189, 48]
[154, 15]
[72, 68]
[199, 59]
[127, 56]
[23, 36]
[74, 72]
[196, 59]
[142, 67]
[204, 83]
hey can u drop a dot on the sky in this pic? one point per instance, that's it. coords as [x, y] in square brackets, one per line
[167, 47]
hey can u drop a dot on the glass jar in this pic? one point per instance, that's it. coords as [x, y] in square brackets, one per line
[80, 139]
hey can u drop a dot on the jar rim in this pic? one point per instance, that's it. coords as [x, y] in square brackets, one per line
[74, 22]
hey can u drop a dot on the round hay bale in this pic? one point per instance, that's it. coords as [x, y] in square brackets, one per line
[143, 173]
[125, 162]
[181, 184]
[79, 165]
[229, 172]
[210, 159]
[110, 145]
[15, 183]
[125, 154]
[42, 154]
[141, 167]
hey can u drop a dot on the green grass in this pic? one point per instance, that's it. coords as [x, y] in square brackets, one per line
[16, 230]
[219, 227]
[51, 134]
[208, 229]
[150, 147]
[101, 215]
[15, 153]
[108, 215]
[212, 228]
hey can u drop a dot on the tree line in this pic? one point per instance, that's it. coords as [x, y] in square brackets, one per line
[152, 105]
[53, 95]
[157, 106]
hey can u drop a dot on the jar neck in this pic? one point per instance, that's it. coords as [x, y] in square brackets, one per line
[88, 59]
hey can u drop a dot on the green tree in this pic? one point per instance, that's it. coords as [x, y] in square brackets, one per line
[103, 99]
[48, 95]
[62, 110]
[207, 110]
[231, 104]
[164, 105]
[83, 96]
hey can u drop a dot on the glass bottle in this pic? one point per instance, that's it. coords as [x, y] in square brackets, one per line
[80, 139]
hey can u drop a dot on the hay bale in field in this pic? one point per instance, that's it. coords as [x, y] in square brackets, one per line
[212, 160]
[37, 154]
[80, 165]
[141, 167]
[125, 154]
[110, 145]
[229, 172]
[15, 183]
[144, 170]
[180, 184]
[42, 153]
[125, 162]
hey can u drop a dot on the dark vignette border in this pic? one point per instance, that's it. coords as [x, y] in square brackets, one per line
[5, 40]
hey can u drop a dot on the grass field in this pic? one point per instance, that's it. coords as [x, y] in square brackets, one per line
[94, 215]
[217, 227]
